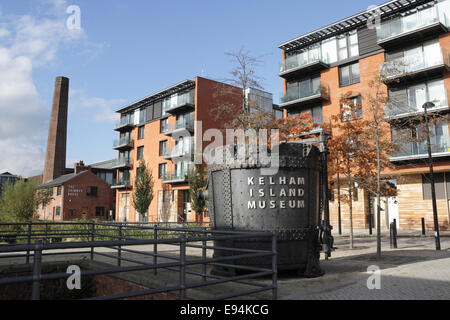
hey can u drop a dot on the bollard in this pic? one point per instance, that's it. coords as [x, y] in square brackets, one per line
[36, 292]
[393, 233]
[424, 233]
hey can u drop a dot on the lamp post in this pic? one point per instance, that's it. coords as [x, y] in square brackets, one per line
[426, 106]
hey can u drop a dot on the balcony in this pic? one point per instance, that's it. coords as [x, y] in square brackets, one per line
[177, 177]
[178, 152]
[124, 124]
[185, 102]
[122, 163]
[397, 110]
[179, 126]
[418, 151]
[415, 67]
[123, 144]
[303, 63]
[305, 97]
[121, 184]
[412, 28]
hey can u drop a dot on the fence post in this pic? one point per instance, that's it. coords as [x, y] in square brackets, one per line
[36, 292]
[155, 249]
[204, 244]
[274, 267]
[46, 232]
[29, 241]
[424, 233]
[92, 240]
[182, 266]
[119, 250]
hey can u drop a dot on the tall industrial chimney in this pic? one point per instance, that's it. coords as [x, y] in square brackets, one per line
[55, 160]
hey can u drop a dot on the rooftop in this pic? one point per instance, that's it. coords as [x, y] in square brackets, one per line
[351, 23]
[60, 180]
[186, 84]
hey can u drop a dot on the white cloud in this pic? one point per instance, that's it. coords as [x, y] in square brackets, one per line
[27, 42]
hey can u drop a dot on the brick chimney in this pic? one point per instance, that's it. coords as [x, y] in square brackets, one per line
[79, 167]
[55, 160]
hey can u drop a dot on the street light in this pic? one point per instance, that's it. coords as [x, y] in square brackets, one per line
[427, 106]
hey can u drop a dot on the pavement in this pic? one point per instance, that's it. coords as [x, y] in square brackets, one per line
[414, 271]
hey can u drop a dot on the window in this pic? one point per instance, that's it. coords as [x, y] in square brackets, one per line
[140, 153]
[163, 148]
[352, 111]
[142, 115]
[349, 74]
[164, 125]
[162, 171]
[348, 46]
[92, 191]
[58, 190]
[99, 211]
[439, 186]
[314, 111]
[58, 211]
[73, 213]
[141, 133]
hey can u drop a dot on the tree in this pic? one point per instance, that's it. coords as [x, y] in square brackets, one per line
[350, 144]
[197, 182]
[20, 200]
[143, 189]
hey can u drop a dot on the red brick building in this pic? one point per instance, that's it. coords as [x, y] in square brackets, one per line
[78, 195]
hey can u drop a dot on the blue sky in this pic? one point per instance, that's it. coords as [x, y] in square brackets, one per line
[126, 50]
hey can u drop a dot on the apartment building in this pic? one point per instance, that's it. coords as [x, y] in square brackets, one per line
[161, 130]
[410, 41]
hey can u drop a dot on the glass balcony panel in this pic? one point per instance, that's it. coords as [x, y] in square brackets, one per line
[303, 58]
[410, 23]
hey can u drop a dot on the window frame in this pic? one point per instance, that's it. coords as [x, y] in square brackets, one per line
[140, 153]
[352, 80]
[141, 132]
[160, 175]
[358, 115]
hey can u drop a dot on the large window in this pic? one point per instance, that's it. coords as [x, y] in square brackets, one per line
[352, 110]
[412, 139]
[349, 74]
[141, 133]
[163, 148]
[58, 211]
[162, 174]
[412, 98]
[314, 111]
[164, 125]
[92, 191]
[348, 46]
[140, 153]
[99, 211]
[302, 89]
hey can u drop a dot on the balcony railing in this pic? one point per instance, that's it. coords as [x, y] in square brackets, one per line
[122, 163]
[178, 177]
[184, 101]
[403, 108]
[419, 150]
[178, 152]
[179, 126]
[125, 122]
[415, 64]
[123, 143]
[121, 183]
[305, 96]
[303, 59]
[399, 27]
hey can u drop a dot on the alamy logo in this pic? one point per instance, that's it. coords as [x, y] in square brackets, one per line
[73, 22]
[74, 280]
[374, 21]
[374, 281]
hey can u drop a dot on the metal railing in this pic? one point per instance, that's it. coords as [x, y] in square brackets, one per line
[48, 237]
[122, 142]
[416, 21]
[322, 90]
[302, 59]
[125, 121]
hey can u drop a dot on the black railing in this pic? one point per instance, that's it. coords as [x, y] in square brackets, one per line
[118, 238]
